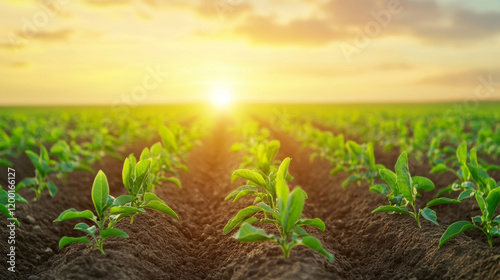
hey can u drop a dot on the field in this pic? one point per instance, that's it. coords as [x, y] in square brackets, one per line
[347, 159]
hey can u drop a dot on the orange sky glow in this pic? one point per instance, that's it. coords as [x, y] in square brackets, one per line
[97, 52]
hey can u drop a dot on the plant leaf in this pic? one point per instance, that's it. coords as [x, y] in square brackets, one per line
[294, 208]
[439, 168]
[162, 207]
[441, 200]
[429, 214]
[73, 214]
[462, 153]
[316, 222]
[65, 240]
[422, 183]
[100, 192]
[389, 208]
[454, 230]
[240, 216]
[249, 233]
[403, 177]
[113, 232]
[492, 201]
[315, 244]
[249, 175]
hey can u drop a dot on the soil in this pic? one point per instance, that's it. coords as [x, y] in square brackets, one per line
[365, 245]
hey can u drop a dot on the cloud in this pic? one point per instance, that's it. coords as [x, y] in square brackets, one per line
[311, 32]
[465, 78]
[339, 20]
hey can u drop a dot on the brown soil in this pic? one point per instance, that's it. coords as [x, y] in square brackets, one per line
[366, 246]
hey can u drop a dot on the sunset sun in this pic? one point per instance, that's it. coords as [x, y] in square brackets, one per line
[221, 96]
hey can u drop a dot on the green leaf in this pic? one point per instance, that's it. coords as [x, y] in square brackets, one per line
[162, 207]
[240, 216]
[249, 233]
[240, 189]
[4, 210]
[468, 193]
[389, 208]
[380, 189]
[142, 169]
[454, 230]
[403, 177]
[100, 192]
[126, 174]
[316, 222]
[492, 201]
[351, 179]
[151, 196]
[439, 168]
[113, 232]
[294, 208]
[441, 200]
[168, 139]
[123, 199]
[145, 154]
[174, 180]
[35, 159]
[429, 214]
[391, 179]
[269, 210]
[422, 183]
[74, 214]
[52, 188]
[65, 240]
[315, 244]
[462, 153]
[125, 209]
[249, 175]
[282, 189]
[85, 228]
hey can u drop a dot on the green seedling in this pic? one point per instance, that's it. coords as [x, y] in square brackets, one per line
[109, 211]
[67, 160]
[361, 164]
[488, 203]
[43, 168]
[286, 216]
[471, 176]
[137, 180]
[402, 191]
[8, 201]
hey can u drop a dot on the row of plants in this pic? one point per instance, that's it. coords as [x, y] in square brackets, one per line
[159, 163]
[273, 201]
[402, 190]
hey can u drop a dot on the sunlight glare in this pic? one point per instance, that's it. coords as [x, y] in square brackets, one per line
[221, 96]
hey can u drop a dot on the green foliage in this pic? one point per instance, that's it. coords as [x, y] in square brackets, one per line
[109, 211]
[43, 168]
[279, 207]
[402, 189]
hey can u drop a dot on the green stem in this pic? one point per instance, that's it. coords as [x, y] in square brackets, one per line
[417, 216]
[100, 246]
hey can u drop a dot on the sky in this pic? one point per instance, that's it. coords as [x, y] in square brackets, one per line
[133, 52]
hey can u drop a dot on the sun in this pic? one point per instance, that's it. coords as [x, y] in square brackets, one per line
[221, 96]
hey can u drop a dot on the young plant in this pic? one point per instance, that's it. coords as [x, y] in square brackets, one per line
[159, 166]
[402, 191]
[286, 216]
[260, 183]
[137, 180]
[488, 203]
[361, 163]
[109, 211]
[471, 176]
[67, 160]
[43, 168]
[8, 202]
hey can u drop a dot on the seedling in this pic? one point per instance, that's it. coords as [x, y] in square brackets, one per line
[43, 168]
[67, 160]
[361, 163]
[9, 201]
[286, 217]
[402, 191]
[488, 203]
[109, 211]
[137, 180]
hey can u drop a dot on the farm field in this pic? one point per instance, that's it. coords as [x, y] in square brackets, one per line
[171, 215]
